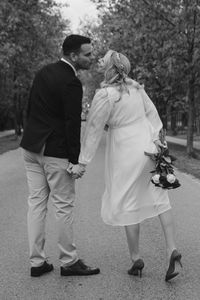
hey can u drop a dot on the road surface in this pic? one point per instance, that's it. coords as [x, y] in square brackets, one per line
[98, 244]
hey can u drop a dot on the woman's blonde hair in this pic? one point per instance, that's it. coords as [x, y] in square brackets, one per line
[116, 69]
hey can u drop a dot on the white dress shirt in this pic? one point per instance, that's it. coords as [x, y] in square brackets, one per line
[67, 62]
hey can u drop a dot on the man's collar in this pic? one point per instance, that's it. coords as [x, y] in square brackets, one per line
[67, 62]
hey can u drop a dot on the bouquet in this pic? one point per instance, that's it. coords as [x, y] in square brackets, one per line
[163, 175]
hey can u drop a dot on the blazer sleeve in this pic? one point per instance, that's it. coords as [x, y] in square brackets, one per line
[28, 104]
[72, 104]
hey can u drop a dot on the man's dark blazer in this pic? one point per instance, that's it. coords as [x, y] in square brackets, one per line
[54, 113]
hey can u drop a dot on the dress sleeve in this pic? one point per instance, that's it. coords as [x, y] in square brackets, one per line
[98, 116]
[152, 115]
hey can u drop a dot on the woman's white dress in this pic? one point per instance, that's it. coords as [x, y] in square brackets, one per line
[129, 196]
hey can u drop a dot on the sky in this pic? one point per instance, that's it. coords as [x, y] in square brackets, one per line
[77, 10]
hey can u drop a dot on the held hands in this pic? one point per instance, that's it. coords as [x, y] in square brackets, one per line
[76, 171]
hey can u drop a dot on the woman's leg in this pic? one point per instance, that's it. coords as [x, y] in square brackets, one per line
[173, 255]
[132, 234]
[167, 223]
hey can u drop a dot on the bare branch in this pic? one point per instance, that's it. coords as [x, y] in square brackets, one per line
[159, 13]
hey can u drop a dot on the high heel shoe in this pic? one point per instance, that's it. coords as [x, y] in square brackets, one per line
[175, 258]
[137, 268]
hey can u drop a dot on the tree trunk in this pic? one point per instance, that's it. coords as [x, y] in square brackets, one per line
[173, 120]
[191, 13]
[190, 130]
[16, 115]
[163, 115]
[198, 124]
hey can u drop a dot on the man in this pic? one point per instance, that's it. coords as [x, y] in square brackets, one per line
[51, 143]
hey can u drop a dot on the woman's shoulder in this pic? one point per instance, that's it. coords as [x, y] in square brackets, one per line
[133, 83]
[107, 92]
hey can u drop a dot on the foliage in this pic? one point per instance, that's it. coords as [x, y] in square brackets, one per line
[30, 36]
[162, 40]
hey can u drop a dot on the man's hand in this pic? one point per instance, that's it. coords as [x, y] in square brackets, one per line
[76, 171]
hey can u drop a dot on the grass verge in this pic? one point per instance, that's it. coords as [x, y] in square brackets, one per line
[183, 162]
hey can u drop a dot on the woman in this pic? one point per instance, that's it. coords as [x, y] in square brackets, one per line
[133, 126]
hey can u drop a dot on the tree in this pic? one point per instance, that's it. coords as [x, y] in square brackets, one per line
[162, 40]
[30, 35]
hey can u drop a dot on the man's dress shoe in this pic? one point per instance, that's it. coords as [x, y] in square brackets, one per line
[44, 268]
[78, 268]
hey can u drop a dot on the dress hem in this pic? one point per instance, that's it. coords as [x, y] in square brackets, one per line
[132, 223]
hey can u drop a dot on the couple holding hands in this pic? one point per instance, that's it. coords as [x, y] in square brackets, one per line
[54, 156]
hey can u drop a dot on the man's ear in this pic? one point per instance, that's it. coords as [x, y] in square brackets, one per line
[73, 56]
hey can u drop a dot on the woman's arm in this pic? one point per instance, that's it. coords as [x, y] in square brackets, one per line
[97, 118]
[152, 115]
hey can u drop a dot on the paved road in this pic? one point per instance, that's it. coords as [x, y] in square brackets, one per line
[98, 244]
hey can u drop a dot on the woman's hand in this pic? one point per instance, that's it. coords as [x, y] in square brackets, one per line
[76, 171]
[159, 145]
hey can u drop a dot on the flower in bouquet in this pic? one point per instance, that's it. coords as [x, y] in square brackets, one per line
[163, 174]
[171, 178]
[156, 178]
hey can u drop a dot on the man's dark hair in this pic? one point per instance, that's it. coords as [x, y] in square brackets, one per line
[73, 42]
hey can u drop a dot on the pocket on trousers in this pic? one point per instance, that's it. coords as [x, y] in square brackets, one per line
[28, 156]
